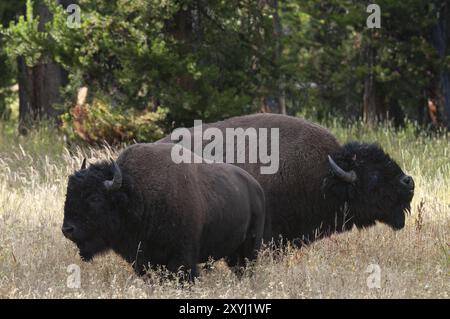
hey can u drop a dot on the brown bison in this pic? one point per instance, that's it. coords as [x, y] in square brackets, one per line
[321, 186]
[152, 211]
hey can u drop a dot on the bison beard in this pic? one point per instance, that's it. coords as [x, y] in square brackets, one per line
[321, 186]
[153, 212]
[90, 247]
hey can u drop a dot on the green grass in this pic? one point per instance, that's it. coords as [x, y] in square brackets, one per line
[414, 261]
[426, 156]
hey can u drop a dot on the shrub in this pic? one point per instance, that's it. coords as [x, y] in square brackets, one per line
[99, 122]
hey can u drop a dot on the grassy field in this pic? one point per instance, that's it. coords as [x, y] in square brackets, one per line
[414, 262]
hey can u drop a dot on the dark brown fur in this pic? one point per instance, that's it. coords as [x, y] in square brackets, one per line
[169, 214]
[304, 199]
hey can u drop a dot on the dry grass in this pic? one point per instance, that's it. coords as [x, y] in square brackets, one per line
[414, 262]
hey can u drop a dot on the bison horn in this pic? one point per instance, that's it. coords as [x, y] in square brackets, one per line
[83, 165]
[116, 182]
[349, 177]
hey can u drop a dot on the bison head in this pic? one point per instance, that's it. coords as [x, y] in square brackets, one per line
[91, 209]
[371, 184]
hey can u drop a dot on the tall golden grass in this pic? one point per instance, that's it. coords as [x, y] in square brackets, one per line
[413, 262]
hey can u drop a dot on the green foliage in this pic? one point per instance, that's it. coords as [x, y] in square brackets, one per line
[327, 43]
[8, 11]
[24, 39]
[216, 59]
[143, 54]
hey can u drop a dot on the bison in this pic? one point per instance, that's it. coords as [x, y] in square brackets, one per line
[149, 210]
[321, 186]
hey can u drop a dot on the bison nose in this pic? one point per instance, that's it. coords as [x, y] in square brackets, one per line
[67, 230]
[407, 181]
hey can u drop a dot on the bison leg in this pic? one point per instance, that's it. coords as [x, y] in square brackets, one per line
[236, 262]
[208, 266]
[247, 252]
[187, 269]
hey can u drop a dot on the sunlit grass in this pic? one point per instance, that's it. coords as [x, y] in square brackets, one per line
[414, 262]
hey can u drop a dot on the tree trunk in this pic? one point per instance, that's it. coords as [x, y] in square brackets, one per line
[39, 86]
[374, 108]
[182, 32]
[370, 108]
[440, 38]
[278, 32]
[27, 113]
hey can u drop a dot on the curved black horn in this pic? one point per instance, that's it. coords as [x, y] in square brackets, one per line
[116, 182]
[348, 177]
[83, 165]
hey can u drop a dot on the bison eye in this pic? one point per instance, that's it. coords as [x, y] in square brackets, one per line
[95, 199]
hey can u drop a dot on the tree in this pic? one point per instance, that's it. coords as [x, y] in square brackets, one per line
[377, 74]
[40, 85]
[9, 10]
[278, 42]
[147, 52]
[440, 38]
[216, 59]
